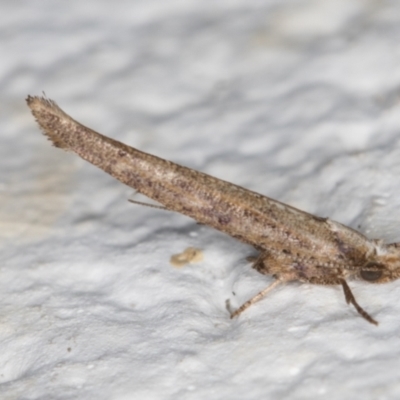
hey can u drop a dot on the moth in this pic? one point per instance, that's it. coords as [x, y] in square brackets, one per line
[292, 244]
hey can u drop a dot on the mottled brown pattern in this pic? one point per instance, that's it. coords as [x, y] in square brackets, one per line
[294, 245]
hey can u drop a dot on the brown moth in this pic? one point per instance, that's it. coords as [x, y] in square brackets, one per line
[293, 245]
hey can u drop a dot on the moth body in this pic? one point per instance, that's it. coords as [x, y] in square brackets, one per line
[293, 244]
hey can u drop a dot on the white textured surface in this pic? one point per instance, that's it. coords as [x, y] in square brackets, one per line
[299, 100]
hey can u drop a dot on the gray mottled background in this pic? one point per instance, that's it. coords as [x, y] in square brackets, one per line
[298, 100]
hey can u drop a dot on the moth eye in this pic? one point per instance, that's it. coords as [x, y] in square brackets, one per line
[370, 275]
[372, 272]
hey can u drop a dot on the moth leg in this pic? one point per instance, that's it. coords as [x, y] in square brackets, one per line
[141, 203]
[350, 299]
[257, 297]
